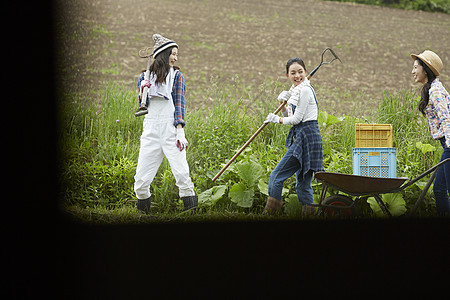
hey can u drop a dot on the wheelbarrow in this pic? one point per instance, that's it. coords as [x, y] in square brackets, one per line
[361, 186]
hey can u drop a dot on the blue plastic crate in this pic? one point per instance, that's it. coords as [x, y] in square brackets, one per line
[375, 162]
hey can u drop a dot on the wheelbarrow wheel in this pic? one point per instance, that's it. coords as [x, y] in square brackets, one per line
[334, 212]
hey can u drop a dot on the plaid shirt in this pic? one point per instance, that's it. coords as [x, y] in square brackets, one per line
[178, 91]
[307, 143]
[438, 112]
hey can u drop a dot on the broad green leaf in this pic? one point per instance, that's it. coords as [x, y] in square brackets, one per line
[240, 195]
[292, 206]
[394, 202]
[212, 195]
[327, 120]
[375, 207]
[263, 187]
[333, 120]
[250, 172]
[322, 118]
[425, 148]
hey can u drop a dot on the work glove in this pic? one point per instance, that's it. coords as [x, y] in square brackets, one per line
[182, 143]
[145, 83]
[284, 96]
[272, 118]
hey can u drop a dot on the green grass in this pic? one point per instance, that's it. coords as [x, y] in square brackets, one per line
[100, 145]
[425, 5]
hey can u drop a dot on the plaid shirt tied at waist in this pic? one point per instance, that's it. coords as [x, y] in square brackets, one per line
[307, 142]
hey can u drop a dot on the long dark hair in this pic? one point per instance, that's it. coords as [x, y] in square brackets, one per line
[424, 94]
[295, 60]
[160, 65]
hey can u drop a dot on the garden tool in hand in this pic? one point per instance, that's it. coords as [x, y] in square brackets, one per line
[276, 112]
[145, 84]
[284, 96]
[324, 63]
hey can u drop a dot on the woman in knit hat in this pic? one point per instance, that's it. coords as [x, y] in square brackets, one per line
[163, 129]
[434, 104]
[304, 155]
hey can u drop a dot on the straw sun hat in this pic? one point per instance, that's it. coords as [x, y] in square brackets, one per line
[431, 59]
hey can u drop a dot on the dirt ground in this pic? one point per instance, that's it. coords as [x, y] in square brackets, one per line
[99, 42]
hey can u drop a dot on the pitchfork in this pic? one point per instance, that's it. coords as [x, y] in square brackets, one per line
[146, 53]
[276, 111]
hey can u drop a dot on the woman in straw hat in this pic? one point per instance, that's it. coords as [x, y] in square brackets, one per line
[435, 105]
[304, 155]
[163, 129]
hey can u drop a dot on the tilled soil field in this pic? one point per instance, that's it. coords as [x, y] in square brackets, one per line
[98, 42]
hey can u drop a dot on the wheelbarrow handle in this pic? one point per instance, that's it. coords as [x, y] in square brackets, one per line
[411, 182]
[425, 189]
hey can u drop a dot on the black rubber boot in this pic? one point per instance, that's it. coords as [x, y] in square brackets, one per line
[144, 204]
[190, 202]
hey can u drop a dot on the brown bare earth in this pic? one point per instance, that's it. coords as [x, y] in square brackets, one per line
[99, 42]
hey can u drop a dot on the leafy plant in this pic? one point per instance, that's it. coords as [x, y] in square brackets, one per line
[249, 172]
[212, 195]
[394, 202]
[425, 148]
[326, 120]
[292, 206]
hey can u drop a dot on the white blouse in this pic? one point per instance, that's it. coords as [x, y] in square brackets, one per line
[303, 98]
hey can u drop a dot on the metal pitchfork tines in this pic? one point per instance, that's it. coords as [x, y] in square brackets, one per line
[325, 63]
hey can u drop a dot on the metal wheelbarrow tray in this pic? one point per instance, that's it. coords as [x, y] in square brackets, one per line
[356, 185]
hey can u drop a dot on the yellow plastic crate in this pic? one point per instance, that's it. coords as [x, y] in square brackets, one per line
[373, 135]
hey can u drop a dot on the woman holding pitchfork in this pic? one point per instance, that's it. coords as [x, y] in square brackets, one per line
[304, 155]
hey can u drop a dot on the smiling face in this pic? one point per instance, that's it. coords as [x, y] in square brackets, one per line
[173, 56]
[419, 73]
[296, 73]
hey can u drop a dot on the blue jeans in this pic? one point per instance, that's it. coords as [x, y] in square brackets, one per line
[288, 166]
[441, 186]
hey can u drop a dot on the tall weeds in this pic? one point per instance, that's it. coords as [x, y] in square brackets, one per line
[100, 142]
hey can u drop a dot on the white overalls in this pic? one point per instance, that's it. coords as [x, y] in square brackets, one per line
[158, 139]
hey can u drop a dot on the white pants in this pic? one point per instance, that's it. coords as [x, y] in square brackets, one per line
[158, 139]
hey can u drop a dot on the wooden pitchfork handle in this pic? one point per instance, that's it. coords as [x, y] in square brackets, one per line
[250, 140]
[246, 144]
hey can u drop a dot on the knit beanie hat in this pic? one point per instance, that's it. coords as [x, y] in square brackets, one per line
[161, 44]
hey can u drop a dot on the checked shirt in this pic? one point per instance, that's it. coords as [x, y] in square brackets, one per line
[178, 91]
